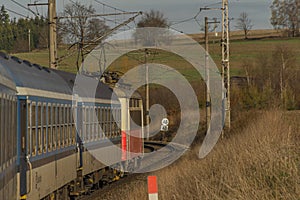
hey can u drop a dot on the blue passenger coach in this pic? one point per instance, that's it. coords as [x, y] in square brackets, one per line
[48, 138]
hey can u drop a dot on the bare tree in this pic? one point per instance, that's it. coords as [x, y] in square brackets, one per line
[96, 28]
[244, 24]
[78, 27]
[153, 36]
[153, 19]
[285, 15]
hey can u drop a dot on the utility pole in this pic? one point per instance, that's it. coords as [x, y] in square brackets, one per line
[207, 76]
[29, 42]
[225, 62]
[147, 93]
[225, 59]
[208, 103]
[52, 34]
[52, 30]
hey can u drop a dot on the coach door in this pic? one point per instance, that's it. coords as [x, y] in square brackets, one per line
[22, 145]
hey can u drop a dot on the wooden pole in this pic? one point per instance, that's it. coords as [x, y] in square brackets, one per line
[52, 33]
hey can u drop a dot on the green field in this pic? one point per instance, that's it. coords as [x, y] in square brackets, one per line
[241, 51]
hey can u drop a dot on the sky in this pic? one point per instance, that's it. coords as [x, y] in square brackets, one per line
[174, 10]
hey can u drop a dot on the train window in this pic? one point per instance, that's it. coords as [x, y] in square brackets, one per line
[67, 122]
[84, 127]
[92, 124]
[5, 131]
[69, 125]
[40, 130]
[54, 125]
[119, 121]
[8, 138]
[48, 128]
[97, 112]
[112, 122]
[12, 141]
[83, 124]
[8, 130]
[60, 131]
[28, 127]
[44, 126]
[104, 117]
[88, 123]
[63, 125]
[109, 122]
[100, 123]
[95, 123]
[34, 129]
[73, 115]
[66, 125]
[95, 120]
[72, 124]
[87, 110]
[3, 112]
[8, 125]
[14, 129]
[94, 134]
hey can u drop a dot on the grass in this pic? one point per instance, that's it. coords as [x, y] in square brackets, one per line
[258, 160]
[241, 51]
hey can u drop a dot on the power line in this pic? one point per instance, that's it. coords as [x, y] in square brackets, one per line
[26, 8]
[97, 15]
[16, 13]
[106, 5]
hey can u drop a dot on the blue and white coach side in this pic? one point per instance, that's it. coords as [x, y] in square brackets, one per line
[49, 139]
[8, 130]
[46, 134]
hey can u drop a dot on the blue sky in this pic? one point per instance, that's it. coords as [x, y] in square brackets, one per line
[174, 10]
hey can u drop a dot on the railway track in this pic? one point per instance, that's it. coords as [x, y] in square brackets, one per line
[162, 155]
[93, 193]
[156, 154]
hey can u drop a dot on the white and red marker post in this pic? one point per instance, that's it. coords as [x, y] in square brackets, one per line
[152, 188]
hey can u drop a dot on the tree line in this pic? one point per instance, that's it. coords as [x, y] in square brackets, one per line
[14, 34]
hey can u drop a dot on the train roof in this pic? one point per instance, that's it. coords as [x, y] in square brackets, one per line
[27, 75]
[23, 74]
[6, 81]
[102, 91]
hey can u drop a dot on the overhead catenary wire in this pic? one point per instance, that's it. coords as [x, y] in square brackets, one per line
[26, 8]
[16, 13]
[109, 6]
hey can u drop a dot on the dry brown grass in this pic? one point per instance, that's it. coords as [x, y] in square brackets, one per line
[259, 161]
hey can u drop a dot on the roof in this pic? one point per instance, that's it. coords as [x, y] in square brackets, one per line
[6, 81]
[23, 74]
[28, 75]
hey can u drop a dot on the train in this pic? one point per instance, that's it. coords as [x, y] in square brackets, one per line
[49, 138]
